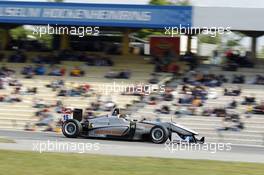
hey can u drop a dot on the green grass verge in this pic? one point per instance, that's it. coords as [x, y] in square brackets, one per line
[32, 163]
[5, 140]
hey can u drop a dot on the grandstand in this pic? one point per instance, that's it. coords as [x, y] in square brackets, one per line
[253, 134]
[14, 116]
[17, 115]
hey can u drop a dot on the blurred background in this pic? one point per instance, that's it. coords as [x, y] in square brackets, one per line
[213, 84]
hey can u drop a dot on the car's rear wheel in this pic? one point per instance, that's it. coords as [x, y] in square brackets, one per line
[159, 134]
[71, 128]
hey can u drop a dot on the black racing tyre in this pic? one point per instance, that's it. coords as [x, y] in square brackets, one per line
[71, 128]
[159, 134]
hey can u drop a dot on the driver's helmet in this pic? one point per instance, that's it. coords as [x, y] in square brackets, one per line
[116, 112]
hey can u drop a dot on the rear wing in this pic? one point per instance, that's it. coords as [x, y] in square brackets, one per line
[69, 113]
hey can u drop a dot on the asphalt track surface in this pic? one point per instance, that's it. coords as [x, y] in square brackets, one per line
[56, 142]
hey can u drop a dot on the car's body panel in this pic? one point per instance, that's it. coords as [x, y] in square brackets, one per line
[114, 126]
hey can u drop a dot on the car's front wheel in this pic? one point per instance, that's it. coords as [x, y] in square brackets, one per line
[71, 128]
[159, 134]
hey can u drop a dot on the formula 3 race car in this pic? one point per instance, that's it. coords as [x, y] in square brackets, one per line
[117, 126]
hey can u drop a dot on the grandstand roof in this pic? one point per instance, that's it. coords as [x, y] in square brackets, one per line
[109, 15]
[130, 16]
[237, 18]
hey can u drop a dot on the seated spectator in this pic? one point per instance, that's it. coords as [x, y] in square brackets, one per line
[16, 90]
[119, 75]
[258, 109]
[56, 71]
[152, 100]
[40, 70]
[167, 96]
[232, 92]
[10, 98]
[212, 94]
[2, 98]
[232, 105]
[56, 84]
[74, 92]
[164, 110]
[24, 91]
[5, 71]
[28, 71]
[124, 75]
[222, 78]
[185, 89]
[77, 72]
[5, 81]
[199, 91]
[187, 99]
[84, 89]
[33, 90]
[207, 112]
[249, 101]
[217, 112]
[212, 83]
[259, 80]
[63, 92]
[197, 102]
[220, 112]
[238, 79]
[199, 78]
[14, 82]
